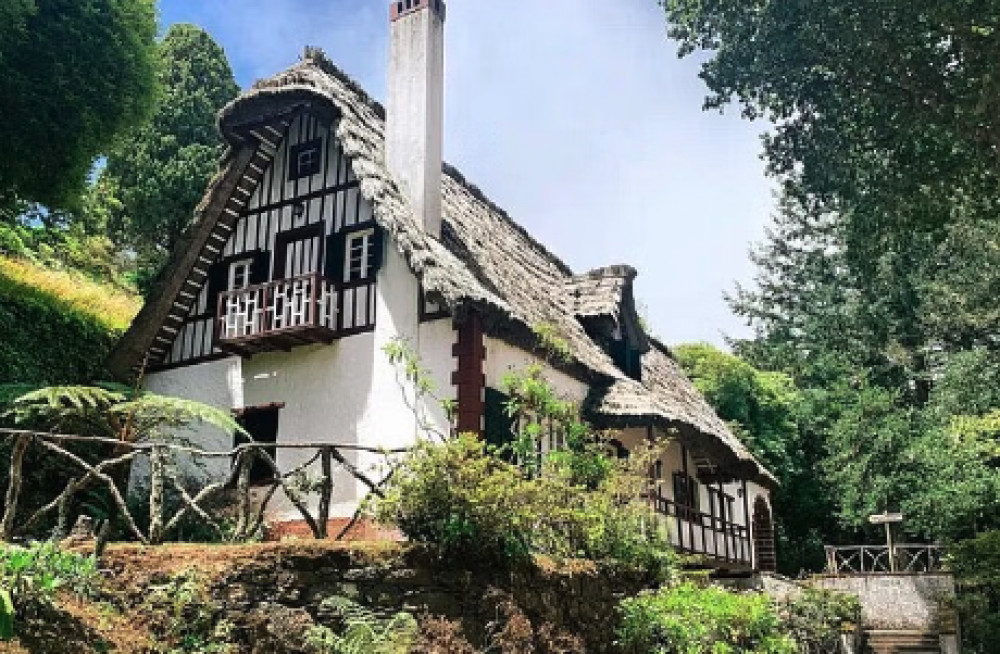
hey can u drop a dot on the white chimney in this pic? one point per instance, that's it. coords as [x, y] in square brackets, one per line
[415, 112]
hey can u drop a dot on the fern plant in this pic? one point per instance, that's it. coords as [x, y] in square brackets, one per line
[362, 632]
[111, 411]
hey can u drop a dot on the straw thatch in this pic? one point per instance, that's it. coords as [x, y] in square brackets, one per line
[484, 262]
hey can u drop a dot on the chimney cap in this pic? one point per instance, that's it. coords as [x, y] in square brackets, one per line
[400, 8]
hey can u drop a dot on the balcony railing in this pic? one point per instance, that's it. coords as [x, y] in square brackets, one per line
[878, 559]
[694, 532]
[289, 312]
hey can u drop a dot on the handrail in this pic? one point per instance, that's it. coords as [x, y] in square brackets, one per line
[903, 558]
[163, 476]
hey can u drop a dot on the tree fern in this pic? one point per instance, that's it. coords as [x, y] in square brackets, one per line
[111, 411]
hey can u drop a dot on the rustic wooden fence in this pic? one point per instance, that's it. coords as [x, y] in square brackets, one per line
[904, 558]
[251, 502]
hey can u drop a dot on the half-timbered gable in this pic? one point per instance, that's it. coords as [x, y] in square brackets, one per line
[299, 262]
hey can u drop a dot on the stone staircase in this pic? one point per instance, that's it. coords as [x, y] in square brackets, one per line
[903, 642]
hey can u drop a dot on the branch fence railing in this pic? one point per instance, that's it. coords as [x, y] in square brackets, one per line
[251, 500]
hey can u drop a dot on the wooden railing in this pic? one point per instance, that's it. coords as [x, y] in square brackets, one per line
[310, 301]
[249, 506]
[905, 558]
[694, 532]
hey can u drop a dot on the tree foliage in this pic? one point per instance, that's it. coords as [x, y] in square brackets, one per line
[77, 74]
[160, 171]
[876, 285]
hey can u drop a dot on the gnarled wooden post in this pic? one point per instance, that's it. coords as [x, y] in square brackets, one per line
[157, 475]
[244, 462]
[13, 486]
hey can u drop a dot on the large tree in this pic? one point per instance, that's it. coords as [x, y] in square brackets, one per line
[161, 171]
[76, 75]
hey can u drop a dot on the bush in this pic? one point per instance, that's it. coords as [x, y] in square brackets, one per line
[976, 564]
[468, 504]
[817, 618]
[31, 576]
[686, 619]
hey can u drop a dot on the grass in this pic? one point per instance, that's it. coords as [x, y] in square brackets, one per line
[111, 306]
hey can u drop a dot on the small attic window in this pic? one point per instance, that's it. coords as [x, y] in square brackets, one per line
[305, 159]
[627, 358]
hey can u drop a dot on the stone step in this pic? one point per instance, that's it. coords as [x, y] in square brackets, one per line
[903, 642]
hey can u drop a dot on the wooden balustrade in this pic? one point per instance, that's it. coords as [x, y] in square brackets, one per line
[285, 313]
[694, 532]
[251, 503]
[905, 558]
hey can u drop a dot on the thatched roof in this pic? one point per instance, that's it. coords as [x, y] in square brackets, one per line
[484, 262]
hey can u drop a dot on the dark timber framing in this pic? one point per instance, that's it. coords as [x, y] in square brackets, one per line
[469, 378]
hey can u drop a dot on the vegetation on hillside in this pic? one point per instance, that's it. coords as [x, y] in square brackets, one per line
[58, 325]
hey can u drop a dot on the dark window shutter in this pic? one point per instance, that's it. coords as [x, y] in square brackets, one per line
[378, 249]
[218, 281]
[499, 425]
[260, 268]
[334, 270]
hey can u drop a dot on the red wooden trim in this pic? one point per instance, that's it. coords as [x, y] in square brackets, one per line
[469, 380]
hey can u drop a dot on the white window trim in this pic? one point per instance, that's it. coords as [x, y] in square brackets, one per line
[247, 264]
[367, 237]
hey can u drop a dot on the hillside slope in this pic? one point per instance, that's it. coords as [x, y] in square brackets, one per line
[57, 326]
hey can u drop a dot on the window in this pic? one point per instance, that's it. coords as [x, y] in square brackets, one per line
[262, 425]
[239, 274]
[360, 260]
[305, 159]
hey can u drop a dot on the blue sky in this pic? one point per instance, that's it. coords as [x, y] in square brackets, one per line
[578, 118]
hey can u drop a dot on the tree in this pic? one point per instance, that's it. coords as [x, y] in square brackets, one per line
[766, 411]
[883, 111]
[76, 74]
[161, 171]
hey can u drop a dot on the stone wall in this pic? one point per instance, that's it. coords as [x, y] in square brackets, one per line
[923, 602]
[273, 592]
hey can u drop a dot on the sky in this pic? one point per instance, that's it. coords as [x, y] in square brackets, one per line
[577, 118]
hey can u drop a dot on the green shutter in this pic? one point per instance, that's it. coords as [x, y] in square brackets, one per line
[499, 425]
[260, 268]
[378, 249]
[334, 270]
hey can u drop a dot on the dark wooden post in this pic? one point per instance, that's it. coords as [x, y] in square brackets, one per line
[326, 459]
[157, 474]
[13, 487]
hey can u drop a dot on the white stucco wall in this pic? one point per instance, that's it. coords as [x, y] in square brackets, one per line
[502, 358]
[216, 383]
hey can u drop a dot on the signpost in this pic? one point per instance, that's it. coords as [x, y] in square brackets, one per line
[888, 519]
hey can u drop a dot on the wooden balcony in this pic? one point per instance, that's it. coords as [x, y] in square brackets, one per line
[712, 536]
[287, 313]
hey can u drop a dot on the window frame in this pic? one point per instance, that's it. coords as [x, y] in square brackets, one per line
[368, 270]
[295, 169]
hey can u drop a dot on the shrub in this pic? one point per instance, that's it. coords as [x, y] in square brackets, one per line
[976, 564]
[467, 503]
[687, 619]
[31, 576]
[462, 501]
[817, 618]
